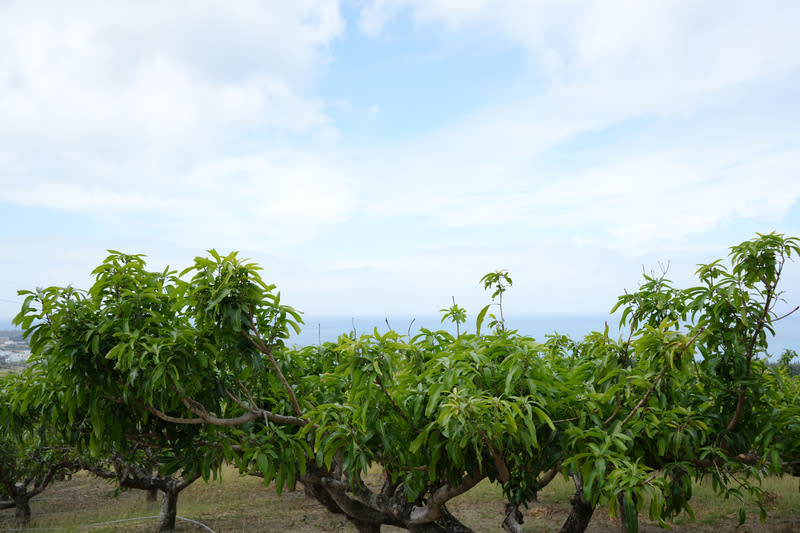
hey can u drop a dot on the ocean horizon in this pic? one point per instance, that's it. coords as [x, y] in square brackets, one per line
[318, 328]
[321, 328]
[327, 328]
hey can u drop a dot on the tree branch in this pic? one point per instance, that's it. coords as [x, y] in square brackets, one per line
[397, 407]
[658, 378]
[259, 343]
[751, 346]
[431, 511]
[228, 422]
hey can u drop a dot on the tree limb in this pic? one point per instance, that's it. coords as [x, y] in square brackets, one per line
[431, 511]
[266, 350]
[397, 407]
[658, 378]
[228, 422]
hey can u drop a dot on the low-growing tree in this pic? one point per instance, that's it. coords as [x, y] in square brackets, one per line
[32, 456]
[140, 468]
[90, 354]
[687, 395]
[198, 363]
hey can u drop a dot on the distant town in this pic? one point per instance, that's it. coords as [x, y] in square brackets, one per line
[14, 350]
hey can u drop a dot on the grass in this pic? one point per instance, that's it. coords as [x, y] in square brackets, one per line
[235, 504]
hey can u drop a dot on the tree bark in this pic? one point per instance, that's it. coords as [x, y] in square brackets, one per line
[23, 514]
[365, 527]
[319, 493]
[581, 512]
[368, 510]
[130, 477]
[169, 509]
[446, 523]
[22, 504]
[513, 520]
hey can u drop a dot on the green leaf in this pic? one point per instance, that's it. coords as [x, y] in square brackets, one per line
[417, 442]
[479, 320]
[263, 463]
[631, 513]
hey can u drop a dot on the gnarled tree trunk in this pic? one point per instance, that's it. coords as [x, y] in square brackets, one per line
[20, 501]
[581, 512]
[513, 520]
[368, 510]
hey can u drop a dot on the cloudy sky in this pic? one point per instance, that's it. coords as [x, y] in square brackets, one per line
[380, 156]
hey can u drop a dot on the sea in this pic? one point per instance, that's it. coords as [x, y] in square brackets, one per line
[324, 328]
[318, 329]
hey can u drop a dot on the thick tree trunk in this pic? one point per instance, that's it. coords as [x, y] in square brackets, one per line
[169, 509]
[368, 510]
[579, 516]
[581, 512]
[22, 504]
[514, 519]
[318, 493]
[23, 514]
[365, 527]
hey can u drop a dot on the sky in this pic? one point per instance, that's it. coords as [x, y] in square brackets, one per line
[380, 156]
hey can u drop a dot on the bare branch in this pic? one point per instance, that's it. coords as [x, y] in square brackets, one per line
[548, 476]
[228, 422]
[787, 314]
[409, 327]
[431, 511]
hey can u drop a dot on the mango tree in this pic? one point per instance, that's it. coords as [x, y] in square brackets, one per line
[31, 455]
[685, 394]
[197, 362]
[91, 351]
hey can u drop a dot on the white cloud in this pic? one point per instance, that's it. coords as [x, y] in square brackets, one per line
[118, 109]
[629, 132]
[161, 70]
[703, 67]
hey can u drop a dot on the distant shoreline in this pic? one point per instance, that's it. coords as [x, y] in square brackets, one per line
[328, 328]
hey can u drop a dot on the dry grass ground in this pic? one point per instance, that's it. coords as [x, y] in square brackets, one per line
[242, 504]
